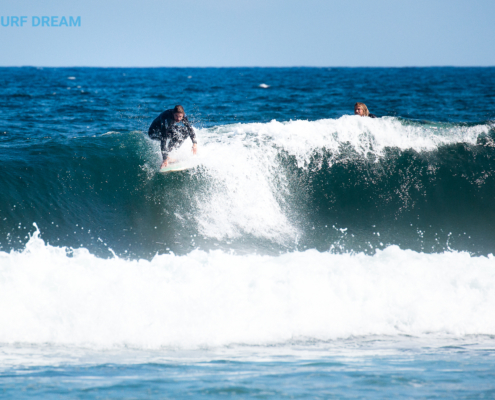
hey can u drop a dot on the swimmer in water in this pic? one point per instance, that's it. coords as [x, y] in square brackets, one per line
[362, 110]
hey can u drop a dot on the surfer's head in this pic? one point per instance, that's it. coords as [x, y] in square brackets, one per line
[361, 109]
[178, 113]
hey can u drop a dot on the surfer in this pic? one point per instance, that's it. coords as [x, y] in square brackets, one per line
[167, 127]
[362, 110]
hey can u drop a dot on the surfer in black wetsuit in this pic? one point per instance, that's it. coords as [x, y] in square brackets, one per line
[362, 110]
[166, 127]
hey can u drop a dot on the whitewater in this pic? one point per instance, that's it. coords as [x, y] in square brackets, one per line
[51, 295]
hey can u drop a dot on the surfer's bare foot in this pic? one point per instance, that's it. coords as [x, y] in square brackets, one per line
[164, 164]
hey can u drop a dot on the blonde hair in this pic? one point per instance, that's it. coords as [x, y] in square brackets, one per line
[363, 106]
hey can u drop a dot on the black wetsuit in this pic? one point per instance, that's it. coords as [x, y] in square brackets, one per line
[164, 127]
[372, 116]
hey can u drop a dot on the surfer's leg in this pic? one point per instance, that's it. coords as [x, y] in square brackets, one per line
[164, 149]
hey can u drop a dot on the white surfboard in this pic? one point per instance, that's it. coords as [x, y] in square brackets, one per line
[176, 166]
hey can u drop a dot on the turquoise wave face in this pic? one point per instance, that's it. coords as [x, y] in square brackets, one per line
[346, 185]
[281, 166]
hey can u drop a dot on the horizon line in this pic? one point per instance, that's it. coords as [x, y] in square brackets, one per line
[219, 67]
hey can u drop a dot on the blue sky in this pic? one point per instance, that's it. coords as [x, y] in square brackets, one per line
[202, 33]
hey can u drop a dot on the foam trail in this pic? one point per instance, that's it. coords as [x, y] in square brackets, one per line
[216, 299]
[244, 192]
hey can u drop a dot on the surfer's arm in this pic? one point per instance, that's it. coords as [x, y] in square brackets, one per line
[190, 130]
[192, 135]
[159, 127]
[154, 131]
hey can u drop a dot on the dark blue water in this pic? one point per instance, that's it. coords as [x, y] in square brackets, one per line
[298, 223]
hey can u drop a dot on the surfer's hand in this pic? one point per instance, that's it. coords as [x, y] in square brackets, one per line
[164, 164]
[195, 148]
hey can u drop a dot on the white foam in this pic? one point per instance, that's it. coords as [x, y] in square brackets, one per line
[364, 135]
[243, 195]
[216, 299]
[247, 186]
[243, 188]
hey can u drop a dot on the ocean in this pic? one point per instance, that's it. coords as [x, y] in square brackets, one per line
[309, 253]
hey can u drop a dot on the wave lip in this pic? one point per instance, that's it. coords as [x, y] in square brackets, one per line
[364, 135]
[70, 297]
